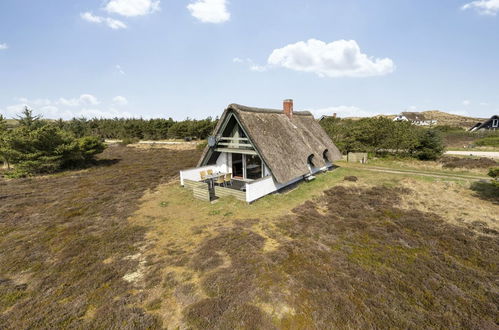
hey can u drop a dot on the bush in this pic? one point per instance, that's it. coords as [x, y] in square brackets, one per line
[491, 141]
[430, 146]
[38, 147]
[494, 174]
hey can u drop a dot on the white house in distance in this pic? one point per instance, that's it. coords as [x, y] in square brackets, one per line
[262, 151]
[416, 118]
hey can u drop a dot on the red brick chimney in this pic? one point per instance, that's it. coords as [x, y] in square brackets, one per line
[288, 108]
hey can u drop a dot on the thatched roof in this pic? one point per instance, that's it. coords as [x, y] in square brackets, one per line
[484, 124]
[284, 144]
[414, 116]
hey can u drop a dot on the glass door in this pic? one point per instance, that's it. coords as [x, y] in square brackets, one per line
[237, 165]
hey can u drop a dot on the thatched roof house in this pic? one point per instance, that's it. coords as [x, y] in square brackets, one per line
[490, 124]
[279, 146]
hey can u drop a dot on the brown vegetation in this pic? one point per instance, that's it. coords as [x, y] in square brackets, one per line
[363, 263]
[65, 244]
[387, 251]
[470, 163]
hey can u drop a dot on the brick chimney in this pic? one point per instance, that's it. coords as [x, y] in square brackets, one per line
[288, 108]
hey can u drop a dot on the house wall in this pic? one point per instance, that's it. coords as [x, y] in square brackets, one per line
[267, 185]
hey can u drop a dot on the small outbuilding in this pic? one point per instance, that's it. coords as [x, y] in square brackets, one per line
[254, 152]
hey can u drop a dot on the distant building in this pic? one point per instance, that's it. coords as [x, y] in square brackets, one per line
[416, 118]
[491, 124]
[327, 117]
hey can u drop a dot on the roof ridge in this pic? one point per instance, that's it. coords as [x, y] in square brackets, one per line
[265, 110]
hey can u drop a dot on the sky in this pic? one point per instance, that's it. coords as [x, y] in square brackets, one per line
[191, 58]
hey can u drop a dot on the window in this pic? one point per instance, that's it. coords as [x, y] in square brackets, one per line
[253, 167]
[310, 160]
[495, 122]
[324, 155]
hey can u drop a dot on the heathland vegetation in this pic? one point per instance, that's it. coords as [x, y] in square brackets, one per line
[120, 244]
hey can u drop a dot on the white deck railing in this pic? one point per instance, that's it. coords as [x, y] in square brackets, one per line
[259, 188]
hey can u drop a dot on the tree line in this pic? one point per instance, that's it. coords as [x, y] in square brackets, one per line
[141, 129]
[381, 135]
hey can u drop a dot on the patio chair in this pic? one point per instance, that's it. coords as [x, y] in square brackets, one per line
[210, 172]
[221, 180]
[203, 175]
[228, 179]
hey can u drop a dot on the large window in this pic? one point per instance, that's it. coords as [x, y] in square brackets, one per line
[253, 167]
[495, 122]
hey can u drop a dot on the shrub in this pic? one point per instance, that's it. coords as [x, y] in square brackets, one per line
[430, 146]
[45, 149]
[491, 141]
[494, 173]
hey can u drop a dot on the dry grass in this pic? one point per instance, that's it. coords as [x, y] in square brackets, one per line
[362, 254]
[66, 245]
[365, 263]
[385, 251]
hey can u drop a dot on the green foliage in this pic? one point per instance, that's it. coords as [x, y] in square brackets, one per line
[36, 146]
[491, 141]
[449, 129]
[494, 173]
[382, 135]
[430, 146]
[3, 124]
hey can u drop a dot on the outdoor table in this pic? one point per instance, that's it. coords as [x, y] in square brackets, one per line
[212, 177]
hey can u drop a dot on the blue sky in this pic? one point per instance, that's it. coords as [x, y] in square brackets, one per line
[165, 58]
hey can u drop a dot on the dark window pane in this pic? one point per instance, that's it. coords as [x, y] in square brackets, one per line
[253, 167]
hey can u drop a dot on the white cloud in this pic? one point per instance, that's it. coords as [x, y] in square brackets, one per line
[210, 11]
[120, 100]
[85, 106]
[466, 103]
[342, 111]
[120, 69]
[4, 46]
[483, 7]
[110, 22]
[83, 100]
[342, 58]
[484, 104]
[132, 8]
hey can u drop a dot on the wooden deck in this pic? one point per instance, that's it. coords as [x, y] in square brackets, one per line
[201, 190]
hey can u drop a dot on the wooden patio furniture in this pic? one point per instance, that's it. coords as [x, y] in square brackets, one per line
[228, 179]
[221, 180]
